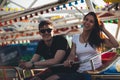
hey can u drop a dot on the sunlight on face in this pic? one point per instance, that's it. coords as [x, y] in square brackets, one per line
[88, 22]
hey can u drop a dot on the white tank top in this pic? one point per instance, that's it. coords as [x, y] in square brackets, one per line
[85, 52]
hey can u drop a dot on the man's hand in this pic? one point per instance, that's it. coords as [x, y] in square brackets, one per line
[26, 65]
[68, 63]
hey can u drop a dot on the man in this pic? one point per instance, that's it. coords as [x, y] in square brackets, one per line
[54, 49]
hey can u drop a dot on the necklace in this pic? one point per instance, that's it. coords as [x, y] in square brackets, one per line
[84, 40]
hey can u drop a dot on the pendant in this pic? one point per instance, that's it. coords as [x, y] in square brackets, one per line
[85, 44]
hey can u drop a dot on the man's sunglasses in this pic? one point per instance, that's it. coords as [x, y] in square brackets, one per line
[44, 30]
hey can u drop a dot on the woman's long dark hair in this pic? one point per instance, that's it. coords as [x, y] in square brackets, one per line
[95, 35]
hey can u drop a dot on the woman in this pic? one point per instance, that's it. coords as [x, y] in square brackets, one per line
[85, 45]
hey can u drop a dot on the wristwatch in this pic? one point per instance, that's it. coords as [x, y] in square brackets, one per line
[33, 64]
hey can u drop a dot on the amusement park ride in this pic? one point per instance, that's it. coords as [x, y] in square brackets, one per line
[23, 25]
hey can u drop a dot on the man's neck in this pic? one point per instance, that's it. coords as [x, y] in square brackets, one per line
[48, 42]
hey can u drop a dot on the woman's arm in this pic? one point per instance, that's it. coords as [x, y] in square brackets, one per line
[110, 41]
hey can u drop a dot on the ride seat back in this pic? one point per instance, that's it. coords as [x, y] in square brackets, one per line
[108, 57]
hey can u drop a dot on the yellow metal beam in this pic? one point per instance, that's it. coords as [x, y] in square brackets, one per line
[113, 1]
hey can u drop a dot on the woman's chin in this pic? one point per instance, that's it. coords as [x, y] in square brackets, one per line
[87, 29]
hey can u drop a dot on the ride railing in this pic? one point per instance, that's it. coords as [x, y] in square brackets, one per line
[109, 58]
[110, 68]
[10, 73]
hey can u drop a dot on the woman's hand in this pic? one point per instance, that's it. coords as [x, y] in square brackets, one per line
[68, 63]
[102, 26]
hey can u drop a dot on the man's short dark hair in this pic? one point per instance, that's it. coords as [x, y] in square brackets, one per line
[44, 22]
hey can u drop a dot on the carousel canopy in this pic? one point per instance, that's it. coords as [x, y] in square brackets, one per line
[19, 18]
